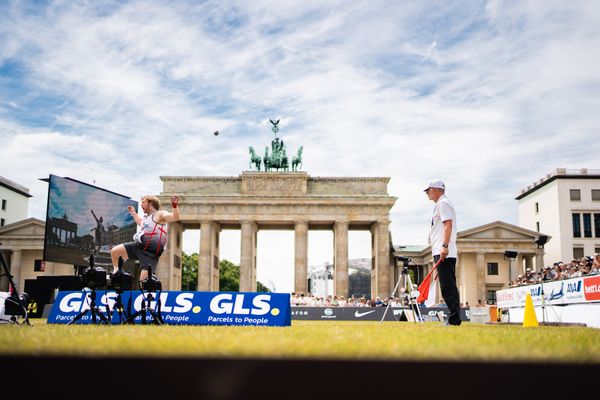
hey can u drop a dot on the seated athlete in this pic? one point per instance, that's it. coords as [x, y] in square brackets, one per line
[149, 243]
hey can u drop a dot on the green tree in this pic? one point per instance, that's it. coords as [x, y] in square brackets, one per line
[189, 275]
[229, 276]
[261, 288]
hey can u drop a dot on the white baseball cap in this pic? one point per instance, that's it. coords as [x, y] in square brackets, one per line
[437, 184]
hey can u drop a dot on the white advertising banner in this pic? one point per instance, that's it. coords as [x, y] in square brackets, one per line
[568, 291]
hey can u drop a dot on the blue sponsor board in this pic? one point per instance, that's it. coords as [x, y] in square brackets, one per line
[177, 308]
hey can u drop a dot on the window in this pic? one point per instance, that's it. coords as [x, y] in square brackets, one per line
[595, 194]
[575, 194]
[576, 225]
[597, 250]
[39, 266]
[597, 225]
[537, 226]
[4, 204]
[587, 225]
[491, 297]
[2, 221]
[537, 208]
[577, 252]
[492, 268]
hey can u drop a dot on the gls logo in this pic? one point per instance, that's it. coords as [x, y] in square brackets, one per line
[77, 301]
[226, 304]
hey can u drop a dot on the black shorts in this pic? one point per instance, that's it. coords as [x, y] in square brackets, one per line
[135, 251]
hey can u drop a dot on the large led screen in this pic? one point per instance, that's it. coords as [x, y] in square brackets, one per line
[82, 219]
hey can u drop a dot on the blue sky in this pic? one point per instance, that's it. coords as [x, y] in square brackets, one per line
[487, 95]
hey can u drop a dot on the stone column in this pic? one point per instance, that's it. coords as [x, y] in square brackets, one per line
[514, 266]
[216, 256]
[165, 269]
[380, 273]
[301, 257]
[340, 258]
[539, 259]
[528, 264]
[254, 245]
[4, 279]
[374, 242]
[461, 279]
[205, 258]
[15, 269]
[457, 273]
[174, 250]
[395, 273]
[248, 257]
[481, 274]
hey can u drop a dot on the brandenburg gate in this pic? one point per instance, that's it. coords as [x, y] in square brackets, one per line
[293, 200]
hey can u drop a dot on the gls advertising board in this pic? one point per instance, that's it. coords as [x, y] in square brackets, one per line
[180, 308]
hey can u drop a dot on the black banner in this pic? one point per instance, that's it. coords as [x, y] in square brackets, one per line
[370, 313]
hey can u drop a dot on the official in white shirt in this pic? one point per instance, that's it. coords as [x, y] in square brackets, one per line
[442, 238]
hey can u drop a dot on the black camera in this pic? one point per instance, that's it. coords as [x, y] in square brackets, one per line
[94, 277]
[403, 260]
[16, 306]
[121, 281]
[151, 284]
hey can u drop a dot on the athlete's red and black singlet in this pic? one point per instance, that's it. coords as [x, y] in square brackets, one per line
[153, 236]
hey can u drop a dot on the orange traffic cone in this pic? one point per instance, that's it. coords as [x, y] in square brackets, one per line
[529, 319]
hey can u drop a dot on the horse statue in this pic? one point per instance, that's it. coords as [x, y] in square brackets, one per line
[297, 160]
[254, 159]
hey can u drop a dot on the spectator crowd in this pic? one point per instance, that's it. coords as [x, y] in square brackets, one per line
[310, 300]
[576, 268]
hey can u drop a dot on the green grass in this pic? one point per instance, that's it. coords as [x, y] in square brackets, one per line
[311, 339]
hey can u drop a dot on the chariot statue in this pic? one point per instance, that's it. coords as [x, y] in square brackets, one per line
[277, 157]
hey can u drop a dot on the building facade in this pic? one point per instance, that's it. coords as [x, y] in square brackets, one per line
[23, 251]
[283, 201]
[14, 201]
[481, 266]
[566, 205]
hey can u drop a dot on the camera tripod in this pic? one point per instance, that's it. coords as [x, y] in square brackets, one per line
[119, 307]
[97, 315]
[120, 281]
[147, 309]
[412, 297]
[14, 297]
[150, 284]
